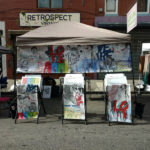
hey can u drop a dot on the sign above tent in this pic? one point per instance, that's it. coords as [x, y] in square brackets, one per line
[132, 18]
[42, 19]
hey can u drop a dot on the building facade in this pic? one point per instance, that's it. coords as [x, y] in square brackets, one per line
[18, 16]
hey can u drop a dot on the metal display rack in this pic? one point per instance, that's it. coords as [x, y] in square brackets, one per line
[40, 104]
[85, 106]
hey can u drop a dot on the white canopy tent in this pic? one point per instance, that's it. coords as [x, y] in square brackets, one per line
[71, 33]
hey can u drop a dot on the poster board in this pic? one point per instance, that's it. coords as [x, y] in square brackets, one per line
[27, 101]
[47, 91]
[114, 79]
[119, 103]
[74, 59]
[73, 97]
[145, 47]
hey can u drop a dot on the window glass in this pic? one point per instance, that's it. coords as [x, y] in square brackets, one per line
[83, 2]
[142, 5]
[43, 3]
[56, 3]
[110, 5]
[70, 2]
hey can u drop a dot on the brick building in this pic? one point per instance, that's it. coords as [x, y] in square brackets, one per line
[18, 17]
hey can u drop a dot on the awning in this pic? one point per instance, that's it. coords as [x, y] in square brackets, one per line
[71, 33]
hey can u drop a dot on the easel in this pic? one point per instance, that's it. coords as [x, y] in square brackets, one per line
[133, 80]
[40, 104]
[85, 106]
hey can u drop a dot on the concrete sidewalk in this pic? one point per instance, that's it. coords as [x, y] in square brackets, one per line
[50, 134]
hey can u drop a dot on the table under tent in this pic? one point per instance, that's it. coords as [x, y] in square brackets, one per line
[74, 49]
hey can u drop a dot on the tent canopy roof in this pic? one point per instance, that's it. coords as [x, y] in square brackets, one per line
[5, 50]
[71, 33]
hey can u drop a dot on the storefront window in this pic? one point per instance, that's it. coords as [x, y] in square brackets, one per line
[56, 3]
[111, 6]
[49, 3]
[143, 5]
[43, 4]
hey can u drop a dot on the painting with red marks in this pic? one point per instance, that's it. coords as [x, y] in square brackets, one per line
[119, 103]
[73, 96]
[74, 58]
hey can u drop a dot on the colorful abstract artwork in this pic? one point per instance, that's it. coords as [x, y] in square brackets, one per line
[31, 80]
[119, 103]
[73, 96]
[27, 101]
[74, 59]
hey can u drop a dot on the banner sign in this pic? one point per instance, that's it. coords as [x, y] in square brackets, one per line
[27, 101]
[73, 96]
[132, 18]
[42, 19]
[119, 103]
[74, 59]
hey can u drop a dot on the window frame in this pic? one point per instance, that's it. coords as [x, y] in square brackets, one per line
[111, 13]
[148, 7]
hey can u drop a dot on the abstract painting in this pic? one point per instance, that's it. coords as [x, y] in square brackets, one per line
[74, 59]
[73, 96]
[119, 103]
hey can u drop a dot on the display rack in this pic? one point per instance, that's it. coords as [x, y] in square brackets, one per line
[85, 107]
[40, 104]
[134, 91]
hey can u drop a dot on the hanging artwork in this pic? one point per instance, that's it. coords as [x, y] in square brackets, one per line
[74, 59]
[27, 101]
[119, 103]
[73, 96]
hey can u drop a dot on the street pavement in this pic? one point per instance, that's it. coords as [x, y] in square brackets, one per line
[50, 134]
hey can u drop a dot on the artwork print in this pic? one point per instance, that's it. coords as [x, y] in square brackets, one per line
[73, 96]
[47, 91]
[74, 59]
[27, 101]
[119, 103]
